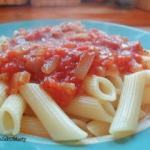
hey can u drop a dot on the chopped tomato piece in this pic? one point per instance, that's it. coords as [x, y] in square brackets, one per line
[62, 93]
[10, 67]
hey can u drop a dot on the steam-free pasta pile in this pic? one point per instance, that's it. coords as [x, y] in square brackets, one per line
[68, 83]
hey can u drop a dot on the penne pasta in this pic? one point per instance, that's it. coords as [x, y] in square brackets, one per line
[142, 115]
[115, 103]
[127, 114]
[11, 113]
[98, 128]
[146, 108]
[64, 82]
[147, 78]
[116, 80]
[72, 117]
[100, 88]
[146, 95]
[3, 94]
[88, 107]
[83, 126]
[55, 121]
[109, 108]
[32, 126]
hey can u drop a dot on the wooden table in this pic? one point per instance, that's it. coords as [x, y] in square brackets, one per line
[135, 17]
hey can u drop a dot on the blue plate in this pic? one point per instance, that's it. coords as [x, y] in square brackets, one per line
[138, 141]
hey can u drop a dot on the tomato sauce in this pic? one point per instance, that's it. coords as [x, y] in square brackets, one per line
[50, 55]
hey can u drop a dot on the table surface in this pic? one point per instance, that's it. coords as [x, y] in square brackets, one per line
[89, 11]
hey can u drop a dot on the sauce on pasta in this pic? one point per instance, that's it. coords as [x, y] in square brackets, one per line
[59, 57]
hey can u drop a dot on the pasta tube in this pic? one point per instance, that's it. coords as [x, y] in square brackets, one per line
[56, 122]
[100, 88]
[83, 126]
[88, 107]
[109, 108]
[146, 96]
[98, 128]
[32, 126]
[11, 114]
[116, 80]
[3, 94]
[127, 114]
